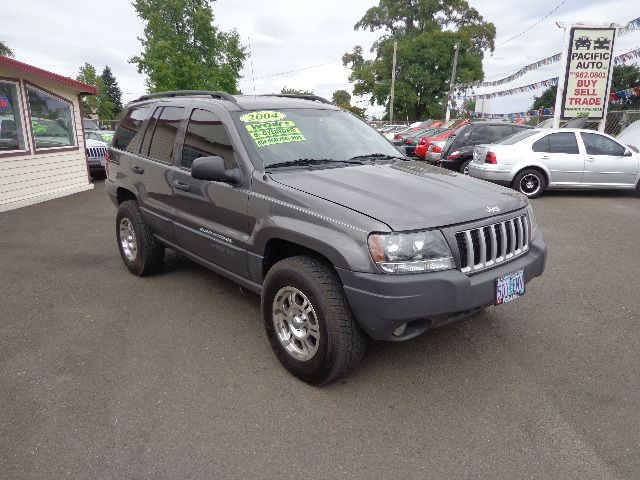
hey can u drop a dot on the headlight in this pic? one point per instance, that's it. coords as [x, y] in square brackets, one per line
[413, 252]
[532, 220]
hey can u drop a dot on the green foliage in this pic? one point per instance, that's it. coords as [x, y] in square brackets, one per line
[426, 32]
[183, 49]
[99, 104]
[5, 50]
[546, 100]
[293, 91]
[342, 99]
[624, 77]
[111, 90]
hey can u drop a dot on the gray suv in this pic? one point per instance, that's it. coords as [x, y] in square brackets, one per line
[308, 206]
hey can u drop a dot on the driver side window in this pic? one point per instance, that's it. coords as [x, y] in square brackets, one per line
[600, 145]
[205, 137]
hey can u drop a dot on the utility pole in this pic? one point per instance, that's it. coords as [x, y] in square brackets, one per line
[452, 84]
[393, 81]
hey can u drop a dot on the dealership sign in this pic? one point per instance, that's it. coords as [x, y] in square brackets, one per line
[588, 72]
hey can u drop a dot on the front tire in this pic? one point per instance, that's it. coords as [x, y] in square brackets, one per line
[140, 252]
[530, 182]
[309, 322]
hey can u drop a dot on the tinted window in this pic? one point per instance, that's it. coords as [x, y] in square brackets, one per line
[541, 145]
[205, 137]
[513, 139]
[11, 126]
[481, 134]
[164, 134]
[600, 145]
[128, 131]
[563, 143]
[51, 120]
[498, 132]
[146, 140]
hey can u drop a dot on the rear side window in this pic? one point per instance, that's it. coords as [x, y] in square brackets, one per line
[600, 145]
[482, 134]
[557, 143]
[127, 133]
[165, 131]
[205, 137]
[500, 131]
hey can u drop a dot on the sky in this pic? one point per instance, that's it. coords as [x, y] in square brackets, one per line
[286, 35]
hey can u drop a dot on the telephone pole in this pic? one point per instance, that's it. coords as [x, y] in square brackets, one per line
[452, 84]
[393, 81]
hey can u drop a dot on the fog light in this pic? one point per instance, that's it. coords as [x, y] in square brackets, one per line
[400, 330]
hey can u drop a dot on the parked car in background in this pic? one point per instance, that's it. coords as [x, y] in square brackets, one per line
[447, 130]
[434, 151]
[96, 151]
[92, 127]
[630, 136]
[409, 142]
[458, 151]
[533, 160]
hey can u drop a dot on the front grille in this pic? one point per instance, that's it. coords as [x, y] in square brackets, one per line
[96, 152]
[484, 247]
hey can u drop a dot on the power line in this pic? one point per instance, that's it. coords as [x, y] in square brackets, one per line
[539, 21]
[296, 70]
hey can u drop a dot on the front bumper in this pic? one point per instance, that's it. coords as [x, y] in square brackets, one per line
[381, 303]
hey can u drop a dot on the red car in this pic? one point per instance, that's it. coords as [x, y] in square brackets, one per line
[423, 144]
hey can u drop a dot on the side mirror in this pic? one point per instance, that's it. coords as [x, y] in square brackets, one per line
[628, 153]
[213, 169]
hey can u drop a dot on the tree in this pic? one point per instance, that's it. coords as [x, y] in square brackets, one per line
[183, 49]
[111, 90]
[546, 100]
[99, 104]
[624, 77]
[293, 91]
[341, 97]
[426, 32]
[5, 50]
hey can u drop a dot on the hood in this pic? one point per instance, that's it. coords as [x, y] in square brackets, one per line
[405, 195]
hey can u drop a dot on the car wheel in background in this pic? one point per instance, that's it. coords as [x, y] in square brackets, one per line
[464, 168]
[309, 322]
[139, 250]
[531, 182]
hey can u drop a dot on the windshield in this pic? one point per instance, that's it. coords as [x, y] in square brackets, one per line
[89, 124]
[516, 137]
[289, 135]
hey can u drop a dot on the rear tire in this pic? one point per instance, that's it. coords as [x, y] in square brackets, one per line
[464, 168]
[309, 322]
[140, 252]
[530, 182]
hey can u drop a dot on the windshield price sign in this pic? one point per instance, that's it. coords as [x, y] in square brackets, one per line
[586, 87]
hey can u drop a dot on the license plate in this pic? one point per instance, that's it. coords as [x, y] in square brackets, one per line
[509, 287]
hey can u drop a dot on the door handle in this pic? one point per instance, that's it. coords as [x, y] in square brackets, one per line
[179, 185]
[545, 157]
[591, 159]
[137, 169]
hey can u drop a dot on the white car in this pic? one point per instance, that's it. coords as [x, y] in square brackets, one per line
[630, 136]
[534, 160]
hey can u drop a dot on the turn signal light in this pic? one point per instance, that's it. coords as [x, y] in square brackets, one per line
[490, 158]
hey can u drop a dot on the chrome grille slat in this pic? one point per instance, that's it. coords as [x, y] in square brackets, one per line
[96, 152]
[504, 241]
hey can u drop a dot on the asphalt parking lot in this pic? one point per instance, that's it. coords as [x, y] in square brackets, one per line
[106, 375]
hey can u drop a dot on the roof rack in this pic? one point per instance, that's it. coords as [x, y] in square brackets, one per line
[314, 98]
[186, 93]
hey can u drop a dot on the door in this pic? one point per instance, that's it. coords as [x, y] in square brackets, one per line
[606, 163]
[560, 153]
[212, 220]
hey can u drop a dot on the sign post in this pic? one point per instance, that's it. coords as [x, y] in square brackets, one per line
[585, 79]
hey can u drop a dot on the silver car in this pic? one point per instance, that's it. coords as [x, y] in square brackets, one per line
[534, 160]
[434, 152]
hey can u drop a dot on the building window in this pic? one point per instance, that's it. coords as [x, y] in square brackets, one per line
[51, 120]
[12, 133]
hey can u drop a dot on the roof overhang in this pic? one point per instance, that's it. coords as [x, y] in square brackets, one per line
[80, 87]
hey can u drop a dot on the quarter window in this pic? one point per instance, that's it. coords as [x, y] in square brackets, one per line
[127, 133]
[206, 136]
[12, 136]
[165, 133]
[600, 145]
[51, 120]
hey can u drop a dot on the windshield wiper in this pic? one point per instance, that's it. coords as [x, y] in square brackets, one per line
[381, 156]
[307, 162]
